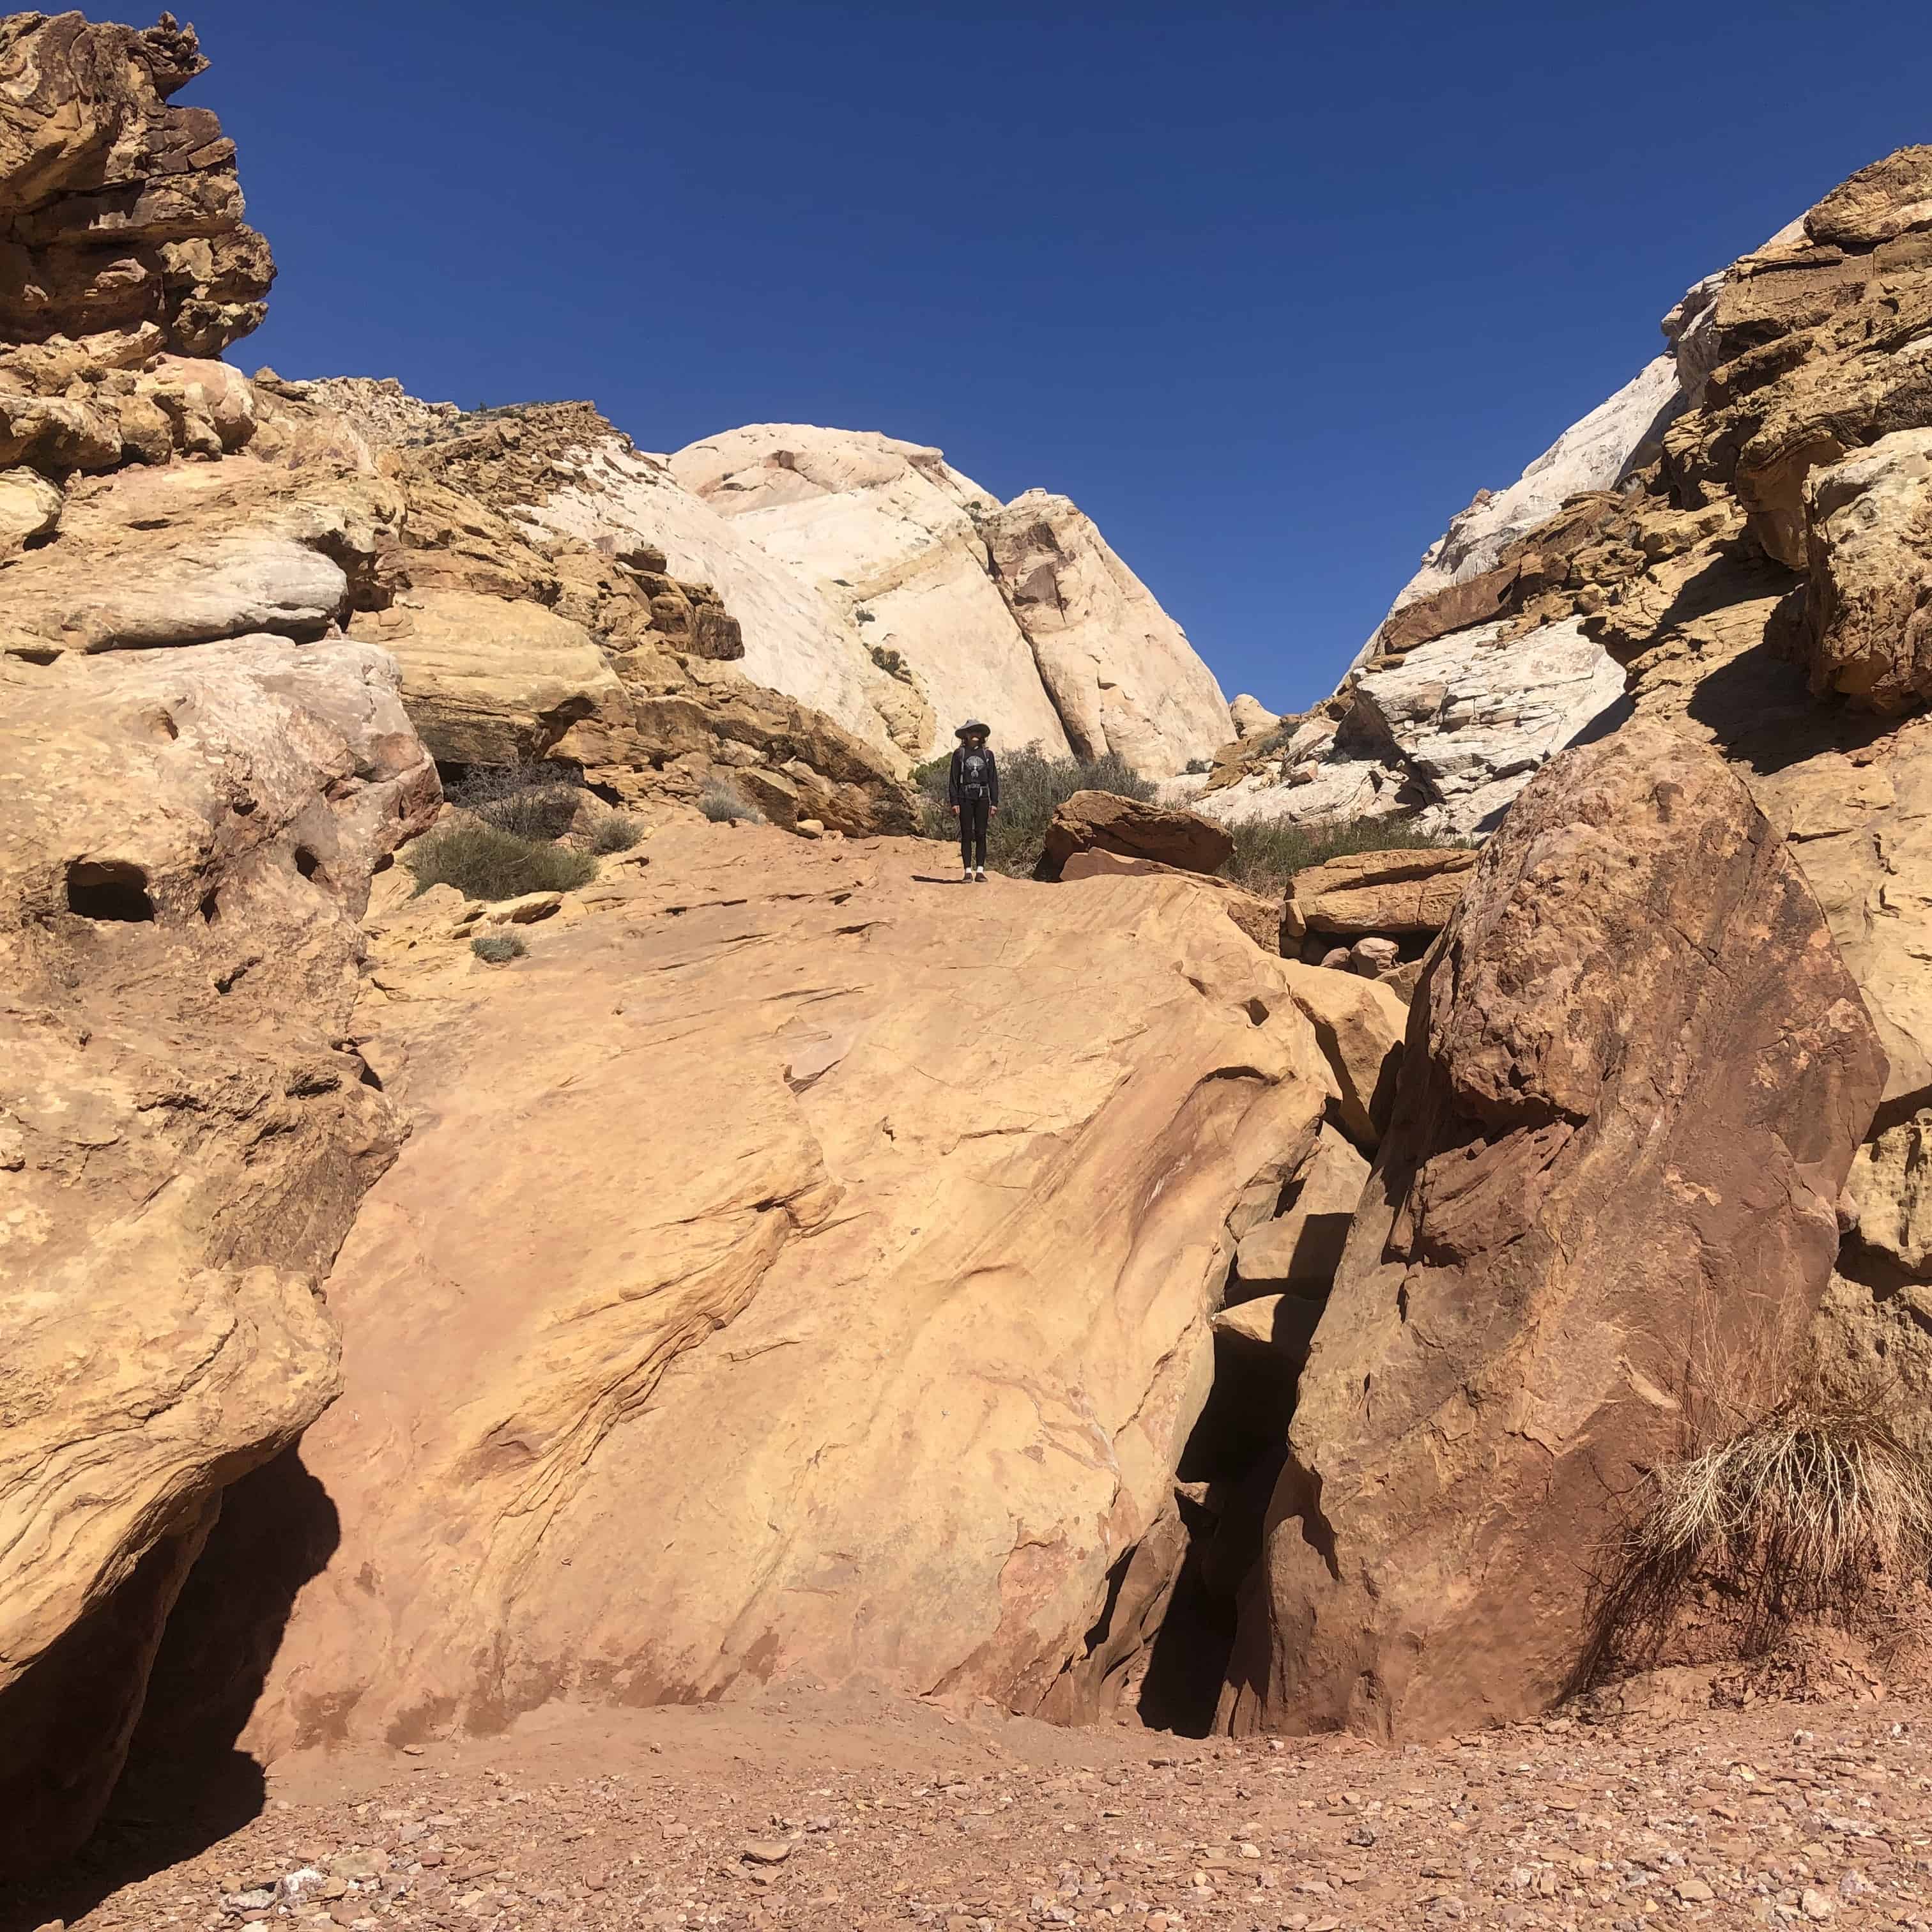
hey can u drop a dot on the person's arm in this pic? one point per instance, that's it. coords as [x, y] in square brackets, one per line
[993, 790]
[952, 785]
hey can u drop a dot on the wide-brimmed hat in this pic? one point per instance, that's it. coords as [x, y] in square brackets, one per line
[972, 728]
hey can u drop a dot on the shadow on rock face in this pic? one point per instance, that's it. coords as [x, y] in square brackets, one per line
[185, 1786]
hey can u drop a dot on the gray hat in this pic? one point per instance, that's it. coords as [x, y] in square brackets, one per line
[973, 728]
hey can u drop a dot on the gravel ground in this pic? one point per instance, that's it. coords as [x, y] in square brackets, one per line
[883, 1814]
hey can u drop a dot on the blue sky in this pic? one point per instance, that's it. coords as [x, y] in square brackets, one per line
[1269, 291]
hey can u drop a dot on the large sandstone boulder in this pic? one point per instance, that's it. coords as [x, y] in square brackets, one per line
[885, 1371]
[1407, 891]
[185, 1136]
[1639, 1074]
[1107, 821]
[189, 553]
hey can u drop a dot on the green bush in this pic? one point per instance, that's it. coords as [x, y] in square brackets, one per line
[1268, 852]
[1032, 787]
[615, 832]
[889, 661]
[483, 863]
[498, 948]
[723, 806]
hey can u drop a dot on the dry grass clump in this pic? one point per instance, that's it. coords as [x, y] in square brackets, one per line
[483, 863]
[1809, 1512]
[497, 948]
[615, 832]
[538, 801]
[723, 806]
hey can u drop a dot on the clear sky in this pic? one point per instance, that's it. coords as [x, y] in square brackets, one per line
[1269, 291]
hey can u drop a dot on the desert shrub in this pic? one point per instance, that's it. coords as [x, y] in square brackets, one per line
[889, 661]
[615, 832]
[1033, 786]
[1805, 1513]
[1199, 767]
[483, 863]
[498, 948]
[538, 801]
[1268, 852]
[723, 806]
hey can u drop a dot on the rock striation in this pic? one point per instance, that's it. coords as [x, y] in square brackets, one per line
[1598, 1225]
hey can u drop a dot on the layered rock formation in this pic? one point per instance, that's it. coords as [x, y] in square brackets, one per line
[868, 579]
[1599, 1224]
[885, 1371]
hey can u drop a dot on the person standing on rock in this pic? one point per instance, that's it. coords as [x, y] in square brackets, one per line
[973, 793]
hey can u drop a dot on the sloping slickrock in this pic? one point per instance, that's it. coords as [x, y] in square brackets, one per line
[1135, 830]
[1868, 529]
[1119, 670]
[1260, 918]
[1363, 893]
[883, 1371]
[889, 535]
[184, 857]
[1641, 1070]
[116, 208]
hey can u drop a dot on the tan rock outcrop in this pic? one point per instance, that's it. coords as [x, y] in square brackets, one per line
[494, 681]
[884, 1371]
[118, 209]
[189, 554]
[1300, 1247]
[183, 1139]
[1360, 1025]
[1362, 893]
[1135, 830]
[1868, 539]
[1640, 1072]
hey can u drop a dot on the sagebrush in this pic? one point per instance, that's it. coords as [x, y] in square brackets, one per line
[497, 948]
[483, 862]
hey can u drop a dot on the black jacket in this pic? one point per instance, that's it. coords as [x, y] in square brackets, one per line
[954, 794]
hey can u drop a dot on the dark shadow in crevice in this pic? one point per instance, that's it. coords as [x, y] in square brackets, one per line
[185, 1785]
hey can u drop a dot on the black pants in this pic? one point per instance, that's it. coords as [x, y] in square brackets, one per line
[973, 816]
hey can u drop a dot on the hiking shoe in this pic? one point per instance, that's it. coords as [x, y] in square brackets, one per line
[979, 874]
